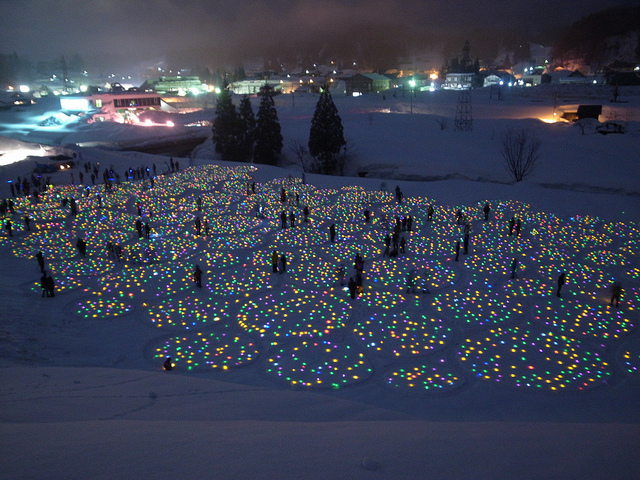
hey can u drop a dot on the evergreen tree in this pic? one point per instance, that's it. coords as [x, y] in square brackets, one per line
[268, 136]
[227, 129]
[326, 139]
[247, 130]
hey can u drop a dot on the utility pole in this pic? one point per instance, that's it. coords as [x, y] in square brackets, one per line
[65, 75]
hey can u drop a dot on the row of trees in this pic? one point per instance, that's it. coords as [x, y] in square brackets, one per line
[240, 136]
[19, 69]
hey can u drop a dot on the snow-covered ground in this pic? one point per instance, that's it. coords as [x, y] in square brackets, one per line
[283, 375]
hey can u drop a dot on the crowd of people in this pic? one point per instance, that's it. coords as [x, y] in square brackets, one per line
[395, 242]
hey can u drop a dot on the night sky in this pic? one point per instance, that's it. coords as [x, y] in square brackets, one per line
[209, 32]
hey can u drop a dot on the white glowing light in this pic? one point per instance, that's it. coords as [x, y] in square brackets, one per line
[74, 104]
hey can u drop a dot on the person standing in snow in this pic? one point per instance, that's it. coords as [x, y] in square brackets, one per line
[274, 261]
[283, 263]
[352, 287]
[399, 195]
[486, 209]
[167, 365]
[43, 284]
[197, 276]
[332, 232]
[50, 286]
[40, 258]
[616, 292]
[514, 268]
[81, 245]
[467, 235]
[561, 281]
[139, 228]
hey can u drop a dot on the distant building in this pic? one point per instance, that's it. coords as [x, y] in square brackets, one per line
[115, 107]
[14, 99]
[252, 87]
[568, 76]
[180, 85]
[363, 83]
[458, 81]
[623, 79]
[535, 79]
[573, 113]
[496, 77]
[589, 111]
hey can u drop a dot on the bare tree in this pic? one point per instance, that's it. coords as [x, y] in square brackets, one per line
[520, 151]
[301, 153]
[349, 152]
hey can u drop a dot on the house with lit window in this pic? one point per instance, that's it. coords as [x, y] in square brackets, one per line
[122, 107]
[458, 81]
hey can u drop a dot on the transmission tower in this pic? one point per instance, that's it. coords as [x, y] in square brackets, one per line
[464, 115]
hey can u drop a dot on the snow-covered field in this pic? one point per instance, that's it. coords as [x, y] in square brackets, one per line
[284, 375]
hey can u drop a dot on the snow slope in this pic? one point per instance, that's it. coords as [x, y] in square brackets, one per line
[283, 375]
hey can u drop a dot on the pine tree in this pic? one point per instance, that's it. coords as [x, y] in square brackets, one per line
[268, 135]
[326, 138]
[226, 128]
[247, 130]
